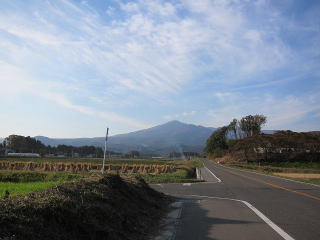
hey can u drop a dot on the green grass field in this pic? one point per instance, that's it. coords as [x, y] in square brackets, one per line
[15, 188]
[32, 176]
[23, 182]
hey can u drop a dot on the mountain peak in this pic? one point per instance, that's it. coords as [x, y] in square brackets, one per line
[175, 122]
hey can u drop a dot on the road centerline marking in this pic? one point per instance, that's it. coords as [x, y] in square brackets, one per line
[274, 185]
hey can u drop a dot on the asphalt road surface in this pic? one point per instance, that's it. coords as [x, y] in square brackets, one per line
[235, 204]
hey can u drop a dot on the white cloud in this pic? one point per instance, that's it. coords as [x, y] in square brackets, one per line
[180, 115]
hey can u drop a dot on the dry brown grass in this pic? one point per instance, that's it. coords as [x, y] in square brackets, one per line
[86, 167]
[299, 175]
[226, 159]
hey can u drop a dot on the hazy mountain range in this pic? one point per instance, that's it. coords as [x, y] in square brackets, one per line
[171, 136]
[161, 139]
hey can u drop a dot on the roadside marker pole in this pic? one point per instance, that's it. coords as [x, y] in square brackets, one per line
[105, 151]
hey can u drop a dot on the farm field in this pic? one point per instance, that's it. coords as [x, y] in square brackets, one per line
[91, 160]
[23, 182]
[22, 176]
[13, 188]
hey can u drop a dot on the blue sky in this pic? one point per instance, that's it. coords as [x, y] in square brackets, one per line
[71, 68]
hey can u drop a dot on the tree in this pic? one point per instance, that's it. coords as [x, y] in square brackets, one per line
[251, 125]
[216, 143]
[2, 148]
[259, 121]
[233, 127]
[24, 144]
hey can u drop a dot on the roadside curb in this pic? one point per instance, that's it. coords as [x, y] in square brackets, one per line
[170, 222]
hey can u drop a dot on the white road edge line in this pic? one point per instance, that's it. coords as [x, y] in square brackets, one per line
[275, 227]
[286, 179]
[219, 180]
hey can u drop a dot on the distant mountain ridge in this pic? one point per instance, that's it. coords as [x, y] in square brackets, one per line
[171, 136]
[161, 139]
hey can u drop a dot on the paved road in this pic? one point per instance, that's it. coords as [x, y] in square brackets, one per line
[292, 206]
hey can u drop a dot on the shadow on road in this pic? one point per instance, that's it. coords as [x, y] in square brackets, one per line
[197, 222]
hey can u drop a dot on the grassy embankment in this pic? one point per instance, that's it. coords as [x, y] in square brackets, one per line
[24, 181]
[299, 171]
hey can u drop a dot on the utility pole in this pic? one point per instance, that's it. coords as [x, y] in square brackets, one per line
[105, 150]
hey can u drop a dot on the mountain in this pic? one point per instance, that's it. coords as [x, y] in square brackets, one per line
[77, 142]
[161, 139]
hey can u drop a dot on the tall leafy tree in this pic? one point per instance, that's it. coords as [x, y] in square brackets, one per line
[217, 142]
[251, 125]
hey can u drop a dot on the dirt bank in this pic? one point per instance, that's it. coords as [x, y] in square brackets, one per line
[109, 208]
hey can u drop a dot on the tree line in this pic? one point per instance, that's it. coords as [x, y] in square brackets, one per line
[242, 140]
[21, 144]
